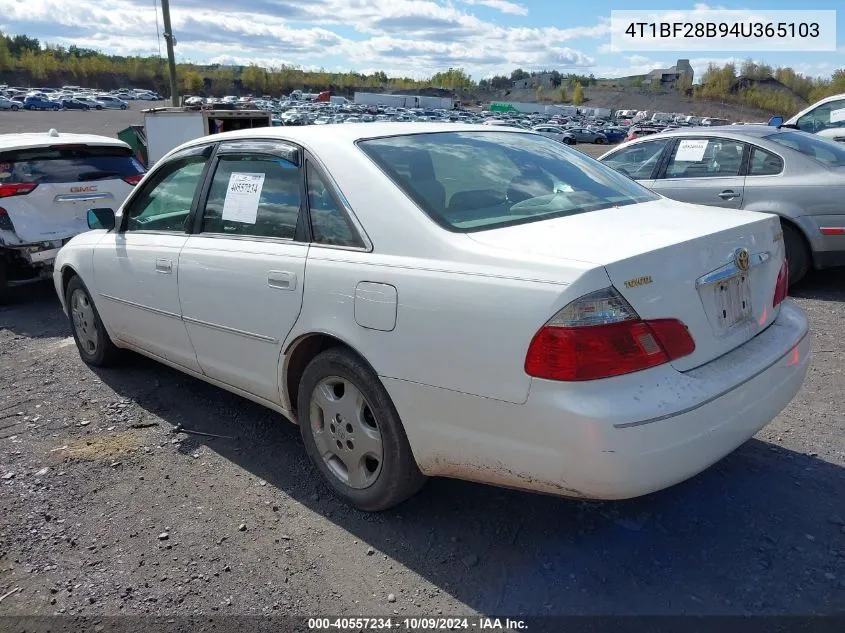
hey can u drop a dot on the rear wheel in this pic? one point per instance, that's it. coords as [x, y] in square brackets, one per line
[797, 253]
[599, 141]
[352, 432]
[123, 107]
[93, 342]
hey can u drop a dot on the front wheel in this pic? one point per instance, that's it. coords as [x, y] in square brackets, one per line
[93, 342]
[352, 433]
[123, 107]
[15, 108]
[99, 107]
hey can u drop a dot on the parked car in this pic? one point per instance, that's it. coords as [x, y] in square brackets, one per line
[558, 134]
[798, 176]
[638, 131]
[90, 102]
[330, 308]
[9, 104]
[825, 118]
[614, 134]
[47, 182]
[111, 103]
[74, 104]
[583, 135]
[34, 102]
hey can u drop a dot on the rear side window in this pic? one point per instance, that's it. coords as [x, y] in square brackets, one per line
[44, 165]
[254, 195]
[705, 158]
[764, 163]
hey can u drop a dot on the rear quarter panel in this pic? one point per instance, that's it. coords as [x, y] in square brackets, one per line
[459, 326]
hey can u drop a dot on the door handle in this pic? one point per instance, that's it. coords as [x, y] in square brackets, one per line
[281, 279]
[728, 195]
[164, 266]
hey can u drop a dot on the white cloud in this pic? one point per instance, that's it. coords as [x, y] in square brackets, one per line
[410, 37]
[501, 5]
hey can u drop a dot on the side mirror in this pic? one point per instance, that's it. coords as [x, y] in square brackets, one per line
[102, 218]
[775, 121]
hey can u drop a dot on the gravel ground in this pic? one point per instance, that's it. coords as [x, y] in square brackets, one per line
[106, 509]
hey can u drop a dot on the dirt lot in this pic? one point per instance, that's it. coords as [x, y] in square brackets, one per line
[107, 508]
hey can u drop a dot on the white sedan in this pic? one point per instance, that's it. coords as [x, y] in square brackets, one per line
[448, 300]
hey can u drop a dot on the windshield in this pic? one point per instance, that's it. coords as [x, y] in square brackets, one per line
[825, 151]
[472, 181]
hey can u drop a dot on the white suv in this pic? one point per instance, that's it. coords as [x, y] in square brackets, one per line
[47, 184]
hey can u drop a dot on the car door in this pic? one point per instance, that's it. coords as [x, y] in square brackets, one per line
[135, 267]
[704, 170]
[241, 273]
[640, 161]
[827, 120]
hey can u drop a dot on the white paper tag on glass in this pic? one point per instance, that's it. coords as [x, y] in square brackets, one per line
[242, 197]
[837, 115]
[691, 151]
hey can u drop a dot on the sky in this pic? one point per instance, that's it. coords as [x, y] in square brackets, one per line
[413, 38]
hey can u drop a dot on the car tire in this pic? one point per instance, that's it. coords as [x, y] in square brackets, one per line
[123, 107]
[599, 141]
[93, 342]
[99, 107]
[375, 482]
[797, 253]
[15, 108]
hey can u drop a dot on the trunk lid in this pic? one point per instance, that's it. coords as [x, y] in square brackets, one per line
[671, 260]
[69, 180]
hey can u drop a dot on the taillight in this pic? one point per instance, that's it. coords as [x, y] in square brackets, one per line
[600, 335]
[133, 180]
[782, 284]
[16, 189]
[5, 221]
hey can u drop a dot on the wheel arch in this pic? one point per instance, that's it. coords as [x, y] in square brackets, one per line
[788, 221]
[302, 351]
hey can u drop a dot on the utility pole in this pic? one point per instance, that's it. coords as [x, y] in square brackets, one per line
[171, 58]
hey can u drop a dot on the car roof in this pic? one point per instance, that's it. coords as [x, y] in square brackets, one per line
[46, 139]
[732, 131]
[325, 137]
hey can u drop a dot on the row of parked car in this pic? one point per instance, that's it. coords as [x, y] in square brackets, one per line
[70, 98]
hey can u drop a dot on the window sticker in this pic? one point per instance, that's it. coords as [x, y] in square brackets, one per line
[242, 197]
[691, 151]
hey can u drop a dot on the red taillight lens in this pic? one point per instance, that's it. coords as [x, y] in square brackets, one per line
[621, 344]
[5, 221]
[133, 180]
[782, 284]
[16, 189]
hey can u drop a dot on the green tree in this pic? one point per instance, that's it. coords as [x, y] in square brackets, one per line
[561, 95]
[192, 82]
[578, 94]
[539, 93]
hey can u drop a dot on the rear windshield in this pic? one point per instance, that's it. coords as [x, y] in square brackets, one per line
[43, 165]
[825, 151]
[472, 181]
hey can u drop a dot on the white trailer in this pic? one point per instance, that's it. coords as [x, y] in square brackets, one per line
[561, 110]
[167, 128]
[403, 101]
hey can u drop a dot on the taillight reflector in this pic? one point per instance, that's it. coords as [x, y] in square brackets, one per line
[133, 180]
[16, 189]
[833, 230]
[5, 221]
[782, 284]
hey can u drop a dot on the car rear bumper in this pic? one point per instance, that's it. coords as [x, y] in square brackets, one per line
[616, 438]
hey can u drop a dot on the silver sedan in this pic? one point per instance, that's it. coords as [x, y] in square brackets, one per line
[798, 176]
